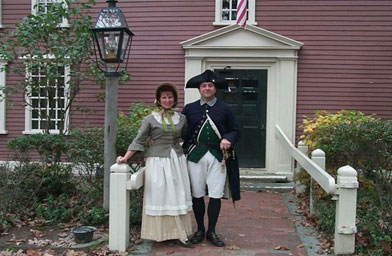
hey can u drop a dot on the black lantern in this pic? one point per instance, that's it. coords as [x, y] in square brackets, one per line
[111, 34]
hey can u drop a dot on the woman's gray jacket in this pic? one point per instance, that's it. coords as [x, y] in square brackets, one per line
[163, 141]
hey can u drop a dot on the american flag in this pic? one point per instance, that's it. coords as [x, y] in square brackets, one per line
[241, 13]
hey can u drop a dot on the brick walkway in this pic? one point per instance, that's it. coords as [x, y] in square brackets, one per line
[259, 226]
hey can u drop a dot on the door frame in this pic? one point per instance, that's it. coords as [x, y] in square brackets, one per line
[253, 48]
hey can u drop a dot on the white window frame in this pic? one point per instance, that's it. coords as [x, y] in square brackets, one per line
[2, 98]
[218, 14]
[34, 10]
[28, 108]
[1, 14]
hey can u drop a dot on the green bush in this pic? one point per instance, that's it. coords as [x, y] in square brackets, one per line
[50, 147]
[128, 125]
[365, 143]
[48, 189]
[350, 137]
[86, 150]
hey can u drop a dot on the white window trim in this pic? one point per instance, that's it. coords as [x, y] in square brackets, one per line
[1, 14]
[2, 100]
[218, 14]
[34, 3]
[28, 110]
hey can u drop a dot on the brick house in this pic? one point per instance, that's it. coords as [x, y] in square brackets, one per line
[293, 58]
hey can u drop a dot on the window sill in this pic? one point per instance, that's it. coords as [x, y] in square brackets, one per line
[29, 132]
[220, 23]
[3, 132]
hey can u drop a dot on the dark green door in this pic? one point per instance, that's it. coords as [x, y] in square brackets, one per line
[247, 95]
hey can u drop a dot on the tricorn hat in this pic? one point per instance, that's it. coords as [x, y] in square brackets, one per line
[207, 76]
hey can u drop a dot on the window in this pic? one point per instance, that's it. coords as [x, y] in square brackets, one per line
[42, 6]
[47, 101]
[226, 12]
[2, 98]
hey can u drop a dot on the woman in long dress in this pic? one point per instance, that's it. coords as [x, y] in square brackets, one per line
[167, 202]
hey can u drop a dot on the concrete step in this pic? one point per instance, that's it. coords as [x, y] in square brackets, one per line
[259, 180]
[277, 187]
[265, 178]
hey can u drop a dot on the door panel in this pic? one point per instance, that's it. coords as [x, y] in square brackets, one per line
[247, 95]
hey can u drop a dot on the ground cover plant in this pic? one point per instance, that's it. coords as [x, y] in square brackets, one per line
[365, 143]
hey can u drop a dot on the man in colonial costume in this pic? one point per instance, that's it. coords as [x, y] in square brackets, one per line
[211, 133]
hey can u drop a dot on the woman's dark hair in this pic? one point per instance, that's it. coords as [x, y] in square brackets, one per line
[166, 87]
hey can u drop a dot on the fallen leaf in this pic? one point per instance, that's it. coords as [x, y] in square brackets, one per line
[33, 252]
[300, 246]
[232, 247]
[138, 241]
[241, 234]
[62, 234]
[281, 247]
[385, 247]
[36, 233]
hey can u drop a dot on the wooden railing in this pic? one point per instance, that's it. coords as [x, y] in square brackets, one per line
[344, 191]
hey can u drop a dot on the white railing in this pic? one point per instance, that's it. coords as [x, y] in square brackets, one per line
[344, 191]
[121, 181]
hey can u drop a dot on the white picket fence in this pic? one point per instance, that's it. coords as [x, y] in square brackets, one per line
[121, 181]
[344, 191]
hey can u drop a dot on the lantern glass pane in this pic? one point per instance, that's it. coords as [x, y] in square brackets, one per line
[125, 45]
[109, 44]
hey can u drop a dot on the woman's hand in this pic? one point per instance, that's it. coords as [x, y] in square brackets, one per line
[121, 159]
[124, 159]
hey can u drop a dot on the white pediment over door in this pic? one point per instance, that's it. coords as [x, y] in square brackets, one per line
[234, 36]
[253, 48]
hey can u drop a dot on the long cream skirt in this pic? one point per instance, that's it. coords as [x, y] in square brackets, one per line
[161, 228]
[167, 206]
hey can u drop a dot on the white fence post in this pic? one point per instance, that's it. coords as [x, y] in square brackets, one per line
[318, 156]
[346, 207]
[299, 188]
[119, 208]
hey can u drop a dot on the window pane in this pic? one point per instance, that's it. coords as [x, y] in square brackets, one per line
[42, 92]
[34, 103]
[34, 114]
[60, 92]
[52, 103]
[226, 4]
[52, 125]
[42, 103]
[52, 114]
[225, 15]
[233, 15]
[43, 124]
[34, 124]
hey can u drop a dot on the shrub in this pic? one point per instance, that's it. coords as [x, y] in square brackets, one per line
[86, 150]
[128, 125]
[365, 143]
[50, 147]
[350, 137]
